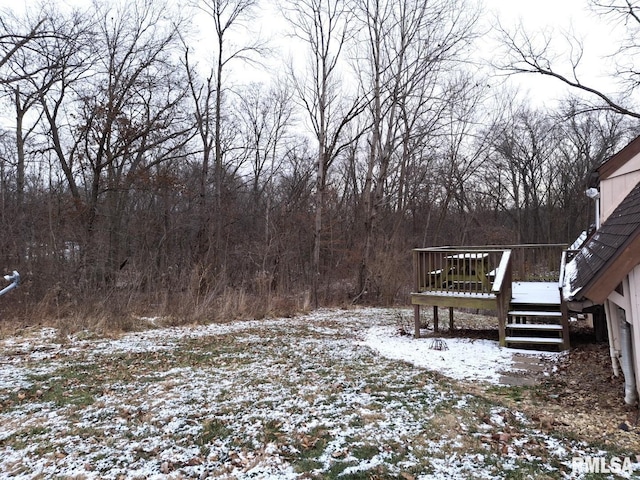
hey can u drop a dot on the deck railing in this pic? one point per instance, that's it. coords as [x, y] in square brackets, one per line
[536, 262]
[456, 270]
[472, 270]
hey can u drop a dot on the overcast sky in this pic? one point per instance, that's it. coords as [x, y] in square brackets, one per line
[535, 16]
[561, 16]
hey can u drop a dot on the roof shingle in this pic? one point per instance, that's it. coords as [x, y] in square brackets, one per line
[593, 262]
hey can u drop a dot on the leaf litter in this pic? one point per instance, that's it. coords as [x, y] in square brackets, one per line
[330, 394]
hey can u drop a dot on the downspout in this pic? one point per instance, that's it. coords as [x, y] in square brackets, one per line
[630, 392]
[612, 351]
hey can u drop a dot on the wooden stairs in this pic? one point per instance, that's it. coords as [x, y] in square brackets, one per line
[535, 320]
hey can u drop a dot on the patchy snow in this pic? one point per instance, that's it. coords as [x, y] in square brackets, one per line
[334, 392]
[464, 359]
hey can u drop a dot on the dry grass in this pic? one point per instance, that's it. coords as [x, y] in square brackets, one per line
[290, 393]
[120, 310]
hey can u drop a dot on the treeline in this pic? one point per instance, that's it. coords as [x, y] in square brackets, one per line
[137, 180]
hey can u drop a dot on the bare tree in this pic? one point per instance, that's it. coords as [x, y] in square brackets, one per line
[523, 146]
[325, 26]
[202, 94]
[538, 166]
[114, 113]
[229, 17]
[16, 36]
[535, 53]
[463, 150]
[266, 115]
[585, 141]
[31, 73]
[44, 67]
[411, 47]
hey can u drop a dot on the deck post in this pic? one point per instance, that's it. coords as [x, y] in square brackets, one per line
[435, 318]
[502, 318]
[566, 342]
[416, 320]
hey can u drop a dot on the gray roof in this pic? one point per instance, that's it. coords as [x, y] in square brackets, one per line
[597, 256]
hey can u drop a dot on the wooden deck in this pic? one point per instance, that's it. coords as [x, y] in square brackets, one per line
[523, 293]
[484, 279]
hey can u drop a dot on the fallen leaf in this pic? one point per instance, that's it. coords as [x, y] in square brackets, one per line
[338, 454]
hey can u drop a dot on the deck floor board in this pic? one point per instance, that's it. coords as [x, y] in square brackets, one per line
[535, 293]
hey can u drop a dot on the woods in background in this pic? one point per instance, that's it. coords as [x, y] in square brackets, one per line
[142, 171]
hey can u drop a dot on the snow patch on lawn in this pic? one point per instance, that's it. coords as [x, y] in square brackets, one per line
[285, 399]
[463, 359]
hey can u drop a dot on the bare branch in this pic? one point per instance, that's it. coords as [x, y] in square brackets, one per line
[530, 55]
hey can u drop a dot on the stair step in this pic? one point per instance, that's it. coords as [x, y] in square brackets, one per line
[534, 313]
[535, 307]
[535, 326]
[535, 340]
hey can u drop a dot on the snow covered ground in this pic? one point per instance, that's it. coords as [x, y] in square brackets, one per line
[461, 359]
[331, 394]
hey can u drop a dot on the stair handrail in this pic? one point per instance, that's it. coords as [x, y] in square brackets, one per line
[563, 266]
[502, 289]
[502, 272]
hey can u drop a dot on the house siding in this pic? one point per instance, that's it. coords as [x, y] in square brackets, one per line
[615, 188]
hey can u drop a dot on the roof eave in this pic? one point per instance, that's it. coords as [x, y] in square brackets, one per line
[609, 167]
[614, 271]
